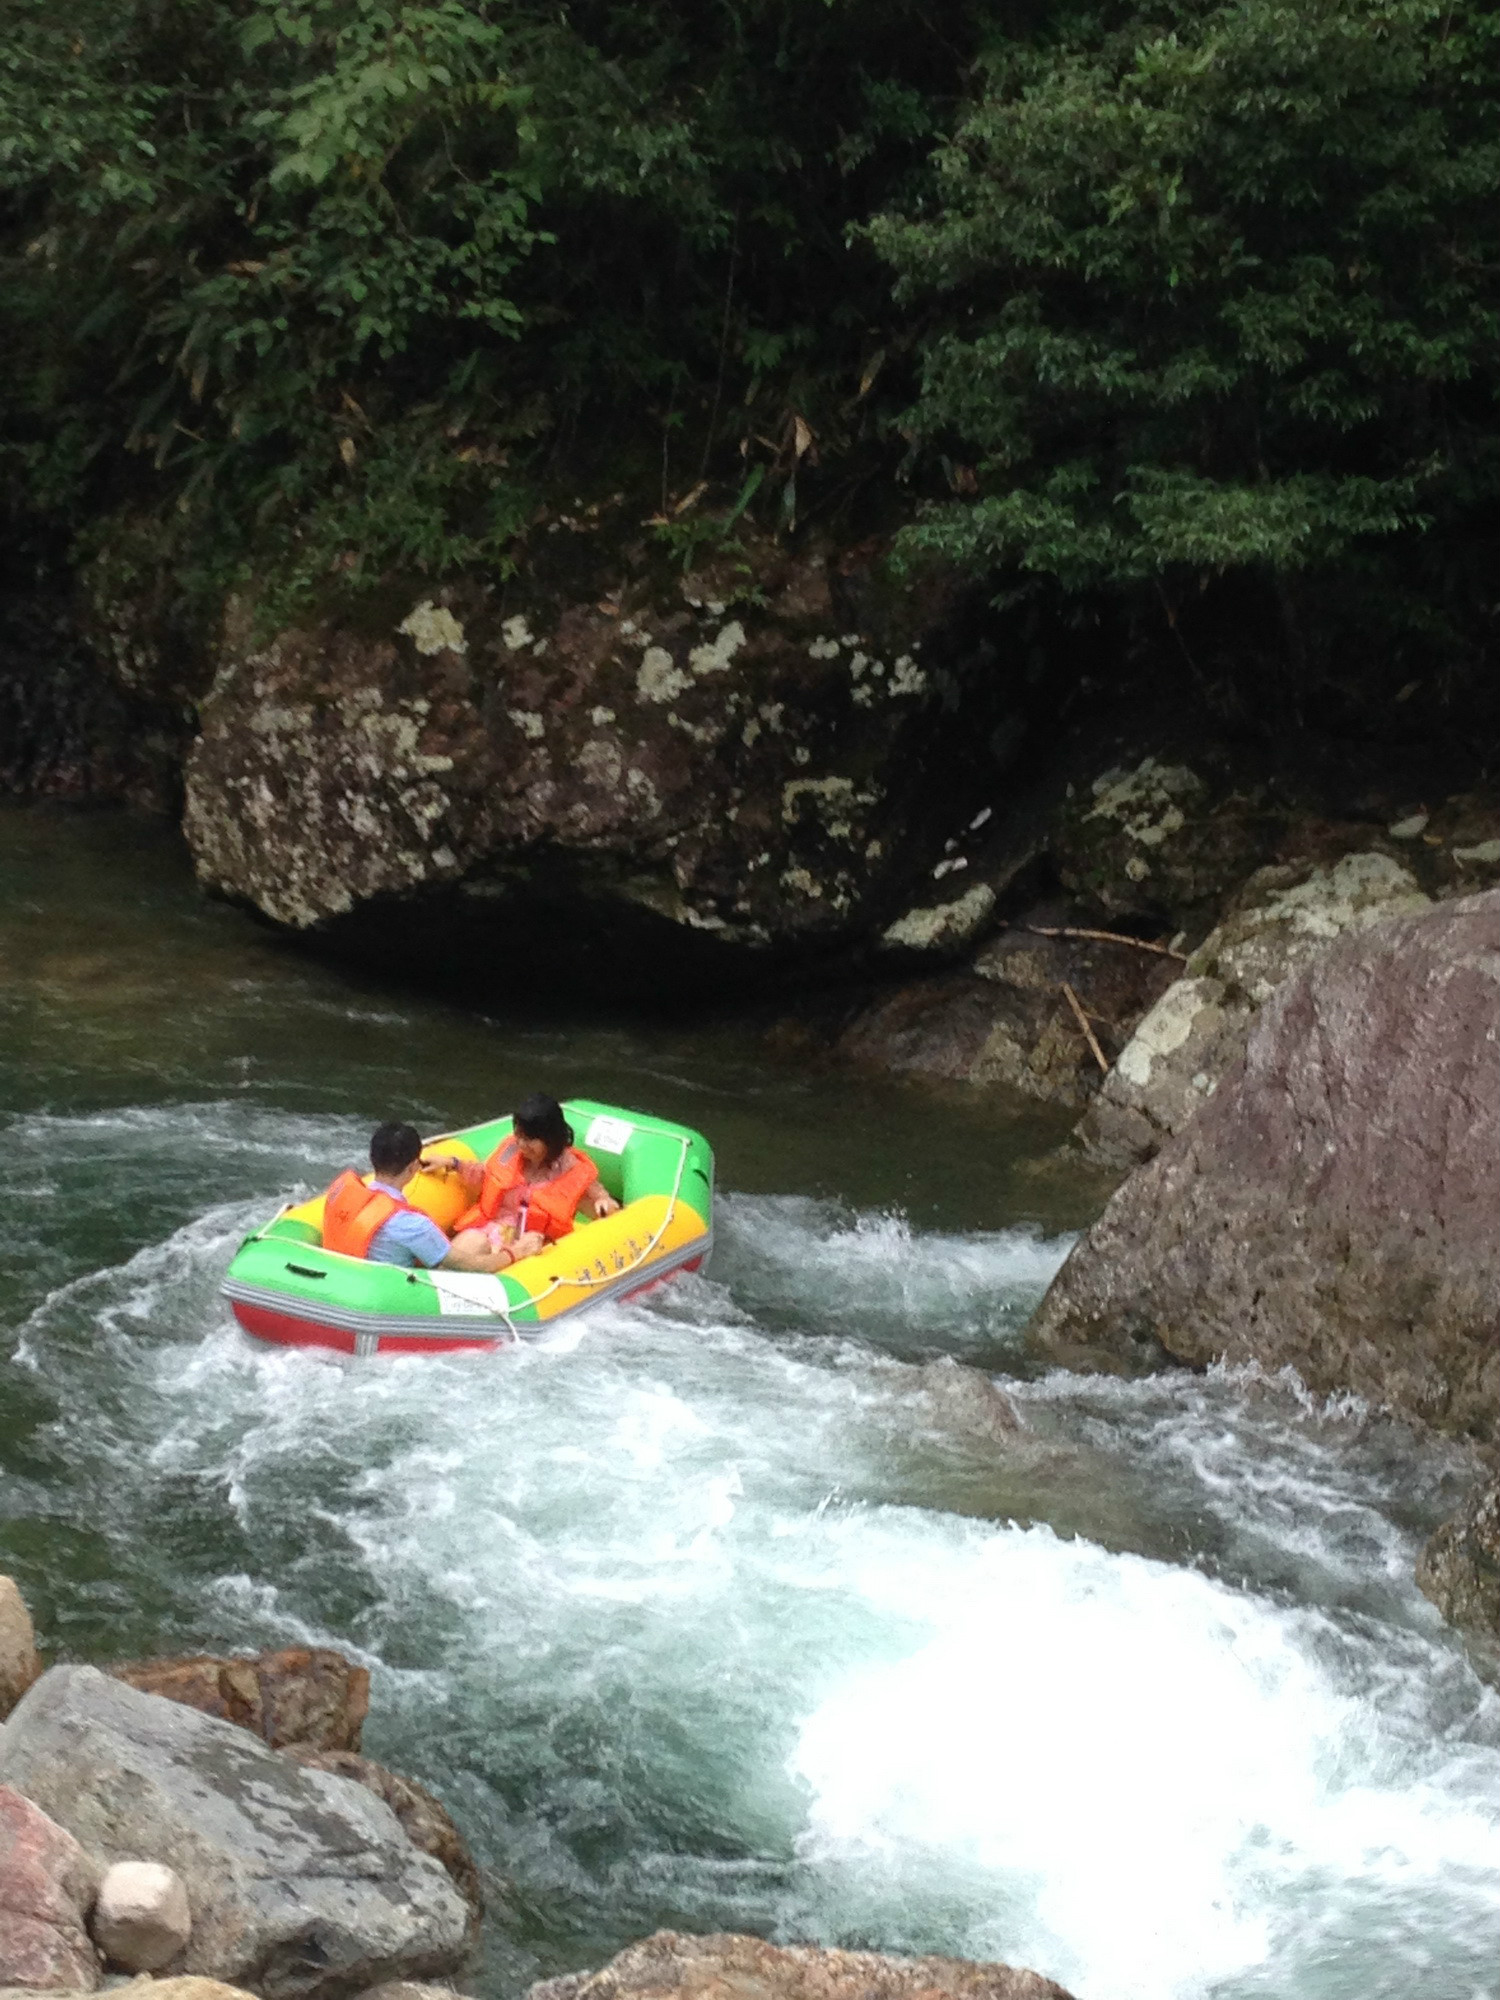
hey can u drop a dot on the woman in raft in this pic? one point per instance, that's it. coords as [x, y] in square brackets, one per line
[529, 1189]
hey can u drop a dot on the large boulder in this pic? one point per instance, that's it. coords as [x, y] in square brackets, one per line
[301, 1885]
[638, 770]
[46, 1886]
[1284, 916]
[306, 1695]
[673, 1966]
[20, 1664]
[424, 1820]
[1335, 1205]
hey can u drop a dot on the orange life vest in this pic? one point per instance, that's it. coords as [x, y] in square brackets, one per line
[550, 1205]
[353, 1212]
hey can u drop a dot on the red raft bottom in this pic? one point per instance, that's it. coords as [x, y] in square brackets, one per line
[284, 1329]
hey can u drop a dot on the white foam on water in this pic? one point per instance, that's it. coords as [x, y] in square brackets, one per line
[1147, 1776]
[872, 1276]
[674, 1624]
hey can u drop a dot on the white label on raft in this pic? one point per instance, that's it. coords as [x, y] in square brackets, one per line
[479, 1294]
[610, 1135]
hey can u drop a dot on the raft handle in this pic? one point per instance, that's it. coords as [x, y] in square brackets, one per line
[306, 1271]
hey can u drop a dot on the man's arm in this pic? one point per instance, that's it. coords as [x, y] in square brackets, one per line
[470, 1172]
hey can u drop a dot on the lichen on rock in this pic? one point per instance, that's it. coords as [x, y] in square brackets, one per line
[432, 628]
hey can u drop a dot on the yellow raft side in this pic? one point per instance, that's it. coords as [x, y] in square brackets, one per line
[599, 1254]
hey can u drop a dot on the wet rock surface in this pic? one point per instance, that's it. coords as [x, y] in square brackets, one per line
[301, 1885]
[296, 1695]
[183, 1987]
[731, 1967]
[47, 1884]
[1334, 1205]
[1459, 1570]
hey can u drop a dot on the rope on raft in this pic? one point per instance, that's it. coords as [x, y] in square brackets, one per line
[585, 1281]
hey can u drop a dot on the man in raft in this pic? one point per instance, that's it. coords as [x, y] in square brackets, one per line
[533, 1184]
[374, 1219]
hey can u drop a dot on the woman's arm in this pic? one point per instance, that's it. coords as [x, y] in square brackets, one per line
[598, 1200]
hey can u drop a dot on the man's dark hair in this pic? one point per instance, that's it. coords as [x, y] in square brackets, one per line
[393, 1147]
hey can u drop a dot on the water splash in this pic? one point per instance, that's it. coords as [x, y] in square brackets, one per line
[750, 1613]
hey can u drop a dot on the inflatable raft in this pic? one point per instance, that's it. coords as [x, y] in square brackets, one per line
[285, 1287]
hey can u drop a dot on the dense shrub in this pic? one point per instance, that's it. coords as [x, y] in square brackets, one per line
[1173, 314]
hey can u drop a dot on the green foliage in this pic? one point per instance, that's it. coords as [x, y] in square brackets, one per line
[1154, 301]
[1213, 288]
[333, 285]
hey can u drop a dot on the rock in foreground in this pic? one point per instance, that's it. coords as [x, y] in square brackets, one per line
[141, 1920]
[305, 1695]
[1335, 1205]
[46, 1886]
[731, 1967]
[19, 1664]
[301, 1885]
[147, 1988]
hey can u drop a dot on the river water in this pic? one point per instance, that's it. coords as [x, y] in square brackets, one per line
[745, 1607]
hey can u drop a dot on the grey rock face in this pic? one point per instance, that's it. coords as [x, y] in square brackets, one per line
[1282, 919]
[301, 1885]
[1335, 1205]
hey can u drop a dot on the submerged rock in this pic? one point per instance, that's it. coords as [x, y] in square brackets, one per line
[730, 1967]
[46, 1886]
[300, 1694]
[301, 1885]
[1335, 1205]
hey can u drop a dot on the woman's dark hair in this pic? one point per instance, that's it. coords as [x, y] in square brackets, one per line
[393, 1147]
[540, 1117]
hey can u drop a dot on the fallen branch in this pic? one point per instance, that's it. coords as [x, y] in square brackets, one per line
[1083, 1021]
[1104, 937]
